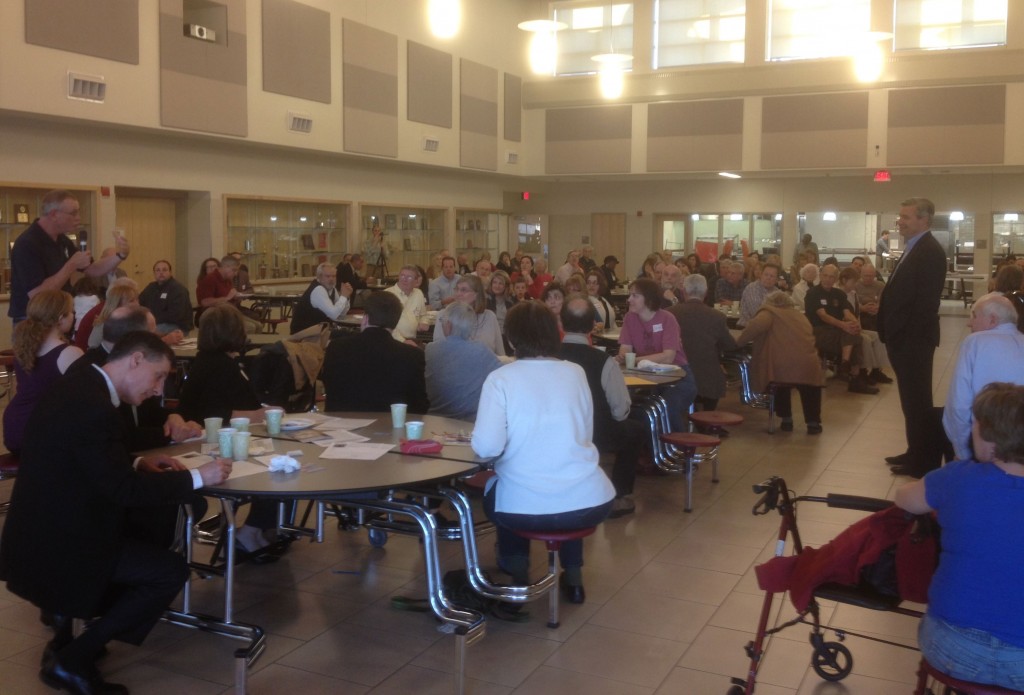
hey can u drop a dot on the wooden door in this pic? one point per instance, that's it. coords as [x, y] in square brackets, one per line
[608, 235]
[151, 225]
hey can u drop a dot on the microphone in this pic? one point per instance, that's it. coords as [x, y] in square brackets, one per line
[83, 240]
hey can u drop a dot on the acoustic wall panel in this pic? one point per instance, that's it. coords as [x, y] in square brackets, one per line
[478, 116]
[695, 136]
[102, 28]
[589, 140]
[369, 90]
[513, 108]
[296, 50]
[814, 131]
[203, 83]
[429, 85]
[947, 125]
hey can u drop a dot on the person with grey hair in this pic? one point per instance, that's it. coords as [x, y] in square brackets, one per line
[587, 263]
[706, 336]
[784, 353]
[44, 258]
[321, 301]
[457, 366]
[994, 351]
[808, 279]
[414, 304]
[729, 288]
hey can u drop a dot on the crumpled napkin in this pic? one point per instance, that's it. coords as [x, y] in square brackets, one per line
[648, 365]
[285, 464]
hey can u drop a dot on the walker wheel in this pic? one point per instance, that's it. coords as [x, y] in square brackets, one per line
[378, 538]
[736, 690]
[832, 661]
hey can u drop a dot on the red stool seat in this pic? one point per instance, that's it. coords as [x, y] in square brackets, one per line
[715, 419]
[690, 440]
[924, 670]
[554, 539]
[8, 465]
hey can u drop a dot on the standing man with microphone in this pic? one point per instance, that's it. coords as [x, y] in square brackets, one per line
[44, 258]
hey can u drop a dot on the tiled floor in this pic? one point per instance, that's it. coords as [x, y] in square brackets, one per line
[672, 598]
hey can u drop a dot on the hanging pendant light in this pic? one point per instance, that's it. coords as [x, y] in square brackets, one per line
[611, 66]
[543, 44]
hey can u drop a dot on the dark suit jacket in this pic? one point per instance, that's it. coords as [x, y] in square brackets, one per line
[65, 527]
[346, 273]
[370, 371]
[705, 335]
[908, 310]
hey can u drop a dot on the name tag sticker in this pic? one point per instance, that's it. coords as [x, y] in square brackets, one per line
[163, 296]
[824, 302]
[657, 328]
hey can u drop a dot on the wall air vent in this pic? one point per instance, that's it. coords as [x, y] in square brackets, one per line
[300, 122]
[511, 157]
[430, 144]
[86, 87]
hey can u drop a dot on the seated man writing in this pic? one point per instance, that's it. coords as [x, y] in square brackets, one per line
[79, 562]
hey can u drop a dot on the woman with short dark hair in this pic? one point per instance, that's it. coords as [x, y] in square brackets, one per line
[653, 334]
[548, 477]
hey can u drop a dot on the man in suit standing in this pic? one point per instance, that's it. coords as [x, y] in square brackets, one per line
[65, 546]
[908, 324]
[370, 371]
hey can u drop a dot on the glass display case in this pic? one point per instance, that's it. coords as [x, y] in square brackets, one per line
[19, 207]
[476, 231]
[285, 238]
[394, 236]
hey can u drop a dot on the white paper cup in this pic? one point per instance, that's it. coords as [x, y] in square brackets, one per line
[273, 418]
[630, 360]
[212, 425]
[224, 440]
[240, 445]
[240, 423]
[398, 414]
[414, 430]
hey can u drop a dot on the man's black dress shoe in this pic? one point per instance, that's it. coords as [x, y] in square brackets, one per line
[907, 470]
[900, 460]
[57, 676]
[573, 593]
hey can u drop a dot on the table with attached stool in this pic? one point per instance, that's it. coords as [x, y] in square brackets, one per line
[553, 540]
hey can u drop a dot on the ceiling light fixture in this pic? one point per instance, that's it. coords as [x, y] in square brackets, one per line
[444, 17]
[543, 49]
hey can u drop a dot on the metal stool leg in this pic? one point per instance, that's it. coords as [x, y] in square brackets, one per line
[553, 621]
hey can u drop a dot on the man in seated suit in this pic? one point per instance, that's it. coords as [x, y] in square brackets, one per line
[705, 334]
[613, 430]
[64, 546]
[169, 301]
[370, 371]
[351, 273]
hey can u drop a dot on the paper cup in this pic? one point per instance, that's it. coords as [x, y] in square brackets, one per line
[630, 360]
[224, 440]
[240, 445]
[273, 418]
[240, 423]
[413, 430]
[398, 414]
[212, 425]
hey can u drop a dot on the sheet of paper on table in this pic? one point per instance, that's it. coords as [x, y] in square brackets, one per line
[357, 451]
[340, 437]
[329, 422]
[239, 469]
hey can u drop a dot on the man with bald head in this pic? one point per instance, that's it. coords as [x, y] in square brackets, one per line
[994, 351]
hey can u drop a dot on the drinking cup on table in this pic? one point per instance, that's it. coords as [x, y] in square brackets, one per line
[212, 425]
[273, 417]
[413, 430]
[240, 445]
[240, 423]
[398, 414]
[224, 440]
[630, 360]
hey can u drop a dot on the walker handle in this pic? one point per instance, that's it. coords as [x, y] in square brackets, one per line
[864, 504]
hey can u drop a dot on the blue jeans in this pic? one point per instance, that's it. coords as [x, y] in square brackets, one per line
[511, 545]
[970, 654]
[679, 397]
